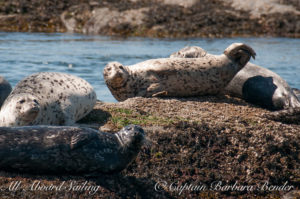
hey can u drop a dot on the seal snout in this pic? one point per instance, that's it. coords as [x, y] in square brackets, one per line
[135, 128]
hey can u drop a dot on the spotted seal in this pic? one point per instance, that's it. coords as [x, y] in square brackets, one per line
[66, 149]
[253, 83]
[5, 89]
[178, 77]
[48, 98]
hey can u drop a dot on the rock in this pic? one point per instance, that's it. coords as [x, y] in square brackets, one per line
[194, 141]
[101, 19]
[292, 195]
[185, 4]
[260, 7]
[154, 18]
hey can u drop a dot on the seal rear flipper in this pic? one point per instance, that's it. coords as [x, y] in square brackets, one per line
[288, 116]
[240, 53]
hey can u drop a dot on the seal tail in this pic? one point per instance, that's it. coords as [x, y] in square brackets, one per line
[240, 53]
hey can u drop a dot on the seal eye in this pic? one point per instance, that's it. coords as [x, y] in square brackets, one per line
[22, 101]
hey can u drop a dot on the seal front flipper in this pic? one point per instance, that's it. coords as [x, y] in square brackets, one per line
[155, 90]
[81, 138]
[160, 94]
[189, 52]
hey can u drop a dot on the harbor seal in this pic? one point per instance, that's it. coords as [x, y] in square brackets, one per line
[5, 89]
[65, 149]
[178, 77]
[253, 83]
[297, 92]
[48, 98]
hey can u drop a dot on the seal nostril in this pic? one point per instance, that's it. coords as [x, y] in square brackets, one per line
[22, 101]
[35, 101]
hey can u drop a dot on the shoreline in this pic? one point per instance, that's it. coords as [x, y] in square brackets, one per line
[156, 18]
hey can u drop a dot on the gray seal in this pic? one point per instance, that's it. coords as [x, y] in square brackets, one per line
[72, 150]
[48, 98]
[178, 77]
[5, 89]
[253, 83]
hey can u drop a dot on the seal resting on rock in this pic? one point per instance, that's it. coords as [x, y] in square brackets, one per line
[253, 83]
[48, 98]
[72, 150]
[178, 77]
[5, 89]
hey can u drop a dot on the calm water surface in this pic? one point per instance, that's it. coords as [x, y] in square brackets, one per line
[22, 54]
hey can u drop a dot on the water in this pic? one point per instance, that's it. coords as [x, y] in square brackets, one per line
[22, 54]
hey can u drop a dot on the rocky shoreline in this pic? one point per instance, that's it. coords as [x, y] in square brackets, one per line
[155, 18]
[192, 141]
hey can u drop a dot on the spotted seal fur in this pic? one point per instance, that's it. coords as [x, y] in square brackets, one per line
[5, 89]
[177, 77]
[48, 98]
[253, 83]
[297, 92]
[65, 149]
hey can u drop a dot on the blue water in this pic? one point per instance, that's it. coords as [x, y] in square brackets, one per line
[22, 54]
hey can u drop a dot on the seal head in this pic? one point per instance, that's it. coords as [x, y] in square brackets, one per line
[5, 89]
[131, 137]
[115, 75]
[20, 110]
